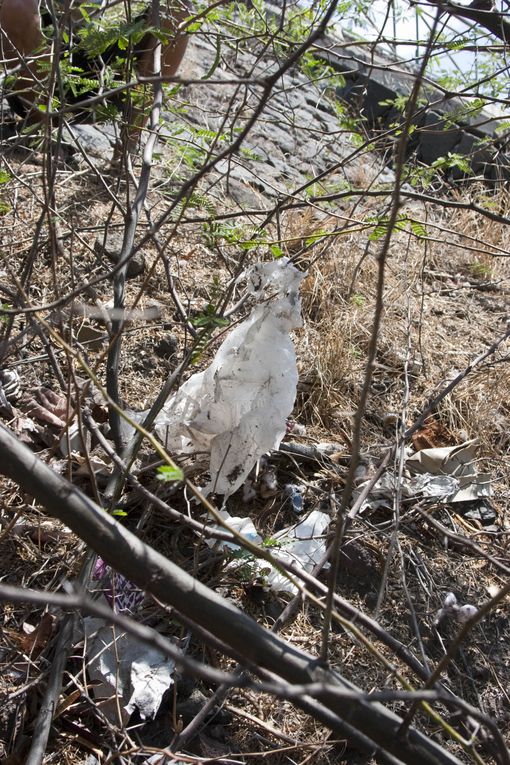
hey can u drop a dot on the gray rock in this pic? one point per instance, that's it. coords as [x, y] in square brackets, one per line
[96, 140]
[112, 248]
[436, 138]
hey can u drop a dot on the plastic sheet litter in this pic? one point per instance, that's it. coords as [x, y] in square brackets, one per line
[127, 673]
[303, 544]
[451, 608]
[237, 408]
[444, 474]
[458, 462]
[293, 492]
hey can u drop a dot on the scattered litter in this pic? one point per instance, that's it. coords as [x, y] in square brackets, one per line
[11, 385]
[249, 491]
[382, 495]
[237, 408]
[457, 462]
[481, 511]
[127, 673]
[10, 391]
[243, 526]
[122, 596]
[465, 613]
[293, 492]
[72, 440]
[268, 483]
[451, 608]
[445, 474]
[296, 428]
[303, 544]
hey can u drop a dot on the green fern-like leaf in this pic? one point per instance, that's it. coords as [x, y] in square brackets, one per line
[95, 41]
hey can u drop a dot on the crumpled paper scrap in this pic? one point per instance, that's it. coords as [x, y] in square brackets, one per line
[457, 462]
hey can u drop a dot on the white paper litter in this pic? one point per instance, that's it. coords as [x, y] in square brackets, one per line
[127, 673]
[451, 608]
[447, 474]
[457, 462]
[238, 407]
[243, 526]
[303, 544]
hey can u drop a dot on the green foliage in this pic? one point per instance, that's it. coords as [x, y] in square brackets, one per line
[270, 542]
[316, 237]
[464, 113]
[169, 473]
[207, 321]
[358, 300]
[228, 232]
[317, 69]
[381, 225]
[5, 207]
[250, 154]
[480, 270]
[4, 307]
[74, 79]
[95, 40]
[276, 251]
[422, 177]
[480, 77]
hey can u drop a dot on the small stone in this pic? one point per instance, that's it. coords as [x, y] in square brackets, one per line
[112, 248]
[167, 347]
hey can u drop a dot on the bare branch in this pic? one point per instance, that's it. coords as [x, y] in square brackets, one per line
[261, 649]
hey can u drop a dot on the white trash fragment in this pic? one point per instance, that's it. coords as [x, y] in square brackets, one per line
[293, 492]
[447, 474]
[465, 613]
[303, 544]
[249, 491]
[237, 408]
[458, 462]
[451, 608]
[127, 673]
[426, 485]
[243, 526]
[450, 601]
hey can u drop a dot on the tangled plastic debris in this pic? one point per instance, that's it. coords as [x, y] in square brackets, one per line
[302, 544]
[451, 608]
[237, 408]
[127, 673]
[447, 474]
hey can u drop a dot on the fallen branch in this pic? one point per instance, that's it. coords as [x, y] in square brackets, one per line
[365, 723]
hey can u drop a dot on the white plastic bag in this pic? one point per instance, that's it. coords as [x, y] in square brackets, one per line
[238, 407]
